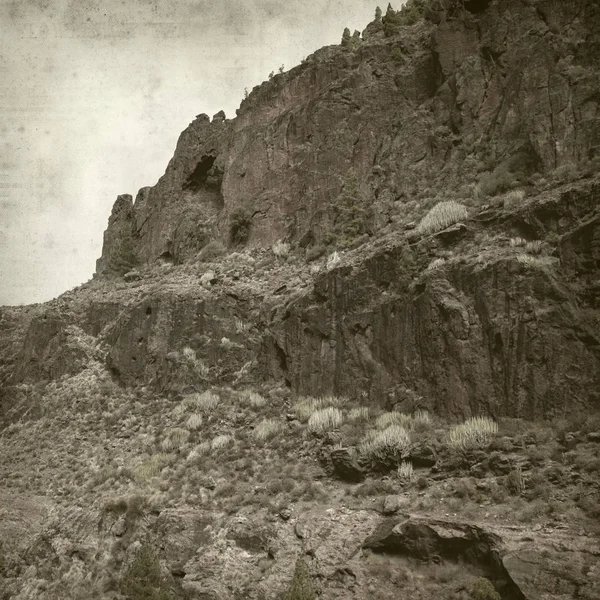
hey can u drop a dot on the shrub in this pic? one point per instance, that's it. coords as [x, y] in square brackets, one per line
[255, 400]
[221, 441]
[153, 466]
[514, 482]
[513, 198]
[405, 470]
[194, 421]
[473, 433]
[306, 406]
[211, 251]
[390, 445]
[442, 215]
[325, 420]
[359, 414]
[410, 13]
[517, 241]
[205, 402]
[301, 586]
[239, 226]
[529, 261]
[482, 589]
[267, 429]
[281, 249]
[534, 247]
[143, 579]
[420, 419]
[437, 263]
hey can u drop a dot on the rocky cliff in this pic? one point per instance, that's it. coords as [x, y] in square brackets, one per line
[405, 226]
[494, 105]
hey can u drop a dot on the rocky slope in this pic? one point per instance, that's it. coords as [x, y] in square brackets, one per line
[289, 251]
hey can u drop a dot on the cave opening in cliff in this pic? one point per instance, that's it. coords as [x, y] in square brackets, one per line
[200, 173]
[476, 6]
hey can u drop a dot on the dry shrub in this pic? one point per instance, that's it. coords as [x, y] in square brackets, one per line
[442, 215]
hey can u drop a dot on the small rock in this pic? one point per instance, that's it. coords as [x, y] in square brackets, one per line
[285, 514]
[120, 527]
[391, 505]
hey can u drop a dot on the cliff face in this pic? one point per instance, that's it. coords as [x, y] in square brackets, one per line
[507, 88]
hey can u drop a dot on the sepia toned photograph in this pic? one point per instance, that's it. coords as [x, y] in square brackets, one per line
[299, 301]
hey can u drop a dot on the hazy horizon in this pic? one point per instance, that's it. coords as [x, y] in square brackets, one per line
[95, 95]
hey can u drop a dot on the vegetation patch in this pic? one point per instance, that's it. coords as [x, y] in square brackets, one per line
[442, 215]
[473, 433]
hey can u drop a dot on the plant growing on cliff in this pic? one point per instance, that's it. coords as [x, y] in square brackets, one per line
[143, 579]
[482, 589]
[442, 215]
[301, 586]
[325, 420]
[473, 433]
[239, 226]
[267, 429]
[387, 446]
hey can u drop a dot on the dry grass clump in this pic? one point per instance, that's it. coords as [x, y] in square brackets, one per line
[221, 441]
[205, 402]
[307, 405]
[517, 241]
[359, 414]
[442, 215]
[153, 466]
[392, 443]
[325, 420]
[267, 429]
[437, 263]
[194, 421]
[199, 450]
[405, 470]
[242, 326]
[175, 439]
[254, 399]
[530, 261]
[513, 198]
[281, 249]
[419, 420]
[534, 247]
[473, 433]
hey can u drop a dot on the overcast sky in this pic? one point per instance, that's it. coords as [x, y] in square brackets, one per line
[94, 94]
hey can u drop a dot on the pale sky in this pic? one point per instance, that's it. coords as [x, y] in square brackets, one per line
[94, 94]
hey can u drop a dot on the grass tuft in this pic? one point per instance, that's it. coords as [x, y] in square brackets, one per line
[267, 429]
[442, 215]
[325, 420]
[473, 433]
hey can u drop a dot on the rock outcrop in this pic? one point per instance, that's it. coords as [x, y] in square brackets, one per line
[493, 93]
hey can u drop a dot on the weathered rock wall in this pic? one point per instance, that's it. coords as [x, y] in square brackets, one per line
[508, 85]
